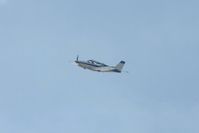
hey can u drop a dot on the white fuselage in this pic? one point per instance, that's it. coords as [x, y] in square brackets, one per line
[97, 67]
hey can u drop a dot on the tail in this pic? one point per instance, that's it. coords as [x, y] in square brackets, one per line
[120, 66]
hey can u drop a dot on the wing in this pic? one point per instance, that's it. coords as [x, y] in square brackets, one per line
[100, 64]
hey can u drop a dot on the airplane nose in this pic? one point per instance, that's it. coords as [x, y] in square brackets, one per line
[75, 63]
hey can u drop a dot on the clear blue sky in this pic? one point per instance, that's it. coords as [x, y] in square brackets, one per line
[40, 92]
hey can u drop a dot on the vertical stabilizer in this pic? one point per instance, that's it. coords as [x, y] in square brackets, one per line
[120, 66]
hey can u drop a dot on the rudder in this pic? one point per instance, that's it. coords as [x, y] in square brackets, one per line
[120, 66]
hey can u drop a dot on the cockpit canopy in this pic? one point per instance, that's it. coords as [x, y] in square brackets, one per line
[96, 63]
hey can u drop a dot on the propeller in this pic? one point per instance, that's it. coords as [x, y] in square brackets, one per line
[77, 58]
[74, 62]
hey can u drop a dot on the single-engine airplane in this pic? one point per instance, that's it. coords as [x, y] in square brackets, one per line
[99, 67]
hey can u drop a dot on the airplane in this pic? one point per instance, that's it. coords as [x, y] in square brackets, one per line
[99, 67]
